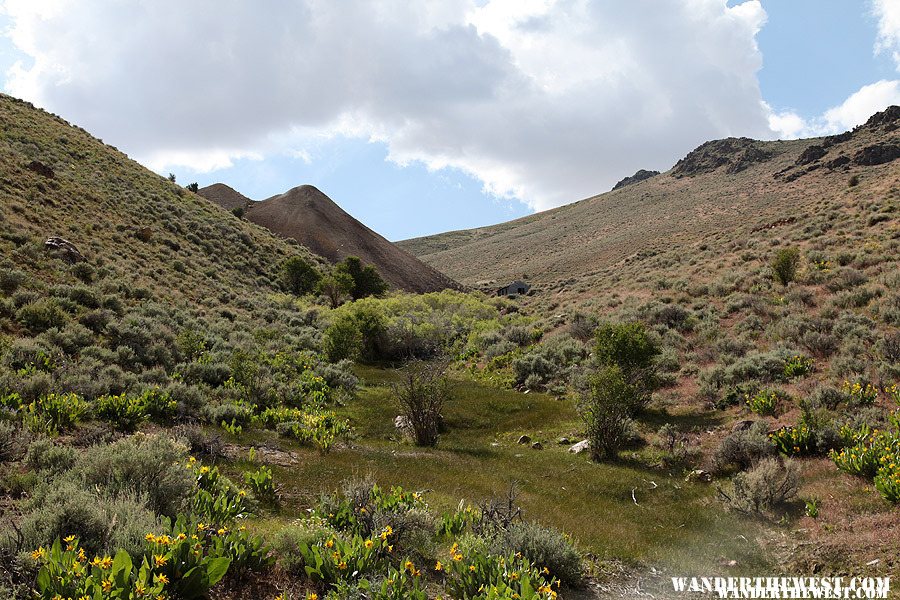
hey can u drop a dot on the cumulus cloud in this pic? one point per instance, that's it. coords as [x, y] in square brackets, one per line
[853, 111]
[888, 14]
[547, 101]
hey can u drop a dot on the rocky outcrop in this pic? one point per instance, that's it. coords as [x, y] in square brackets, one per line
[734, 154]
[877, 154]
[40, 168]
[638, 177]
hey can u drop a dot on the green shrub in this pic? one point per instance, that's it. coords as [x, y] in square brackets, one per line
[262, 484]
[10, 280]
[785, 264]
[125, 412]
[53, 413]
[744, 448]
[764, 487]
[513, 576]
[147, 466]
[765, 402]
[798, 366]
[299, 276]
[41, 315]
[342, 339]
[544, 547]
[794, 440]
[44, 455]
[606, 408]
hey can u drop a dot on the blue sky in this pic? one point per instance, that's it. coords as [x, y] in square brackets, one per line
[448, 118]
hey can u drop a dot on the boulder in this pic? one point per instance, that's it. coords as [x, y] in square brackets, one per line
[580, 447]
[401, 422]
[563, 441]
[743, 425]
[537, 446]
[877, 154]
[525, 439]
[64, 249]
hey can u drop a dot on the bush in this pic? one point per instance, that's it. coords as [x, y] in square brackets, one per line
[44, 455]
[765, 402]
[299, 276]
[744, 448]
[123, 411]
[287, 542]
[766, 486]
[13, 442]
[785, 265]
[53, 413]
[148, 467]
[10, 280]
[342, 340]
[41, 315]
[606, 408]
[544, 547]
[421, 394]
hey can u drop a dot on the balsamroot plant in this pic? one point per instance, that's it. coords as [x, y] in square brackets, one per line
[422, 393]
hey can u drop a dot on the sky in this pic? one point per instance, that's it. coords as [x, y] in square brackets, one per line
[428, 116]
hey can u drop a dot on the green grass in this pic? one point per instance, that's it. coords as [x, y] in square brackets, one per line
[678, 524]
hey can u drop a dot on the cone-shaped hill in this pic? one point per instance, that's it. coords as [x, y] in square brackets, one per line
[307, 215]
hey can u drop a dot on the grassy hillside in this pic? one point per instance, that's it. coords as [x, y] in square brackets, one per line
[711, 214]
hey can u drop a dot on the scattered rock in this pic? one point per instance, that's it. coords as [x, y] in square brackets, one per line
[563, 441]
[40, 168]
[524, 440]
[580, 447]
[64, 249]
[537, 446]
[638, 177]
[699, 475]
[401, 422]
[877, 154]
[811, 154]
[840, 138]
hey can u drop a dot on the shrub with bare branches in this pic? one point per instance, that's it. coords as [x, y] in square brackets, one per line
[422, 392]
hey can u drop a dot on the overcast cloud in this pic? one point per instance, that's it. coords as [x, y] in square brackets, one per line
[546, 101]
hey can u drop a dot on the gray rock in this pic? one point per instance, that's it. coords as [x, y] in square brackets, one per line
[401, 422]
[537, 446]
[525, 439]
[563, 441]
[699, 475]
[580, 447]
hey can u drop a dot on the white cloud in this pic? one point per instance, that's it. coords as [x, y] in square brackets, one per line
[888, 13]
[853, 111]
[544, 100]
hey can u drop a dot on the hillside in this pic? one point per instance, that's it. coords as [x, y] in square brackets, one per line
[722, 198]
[307, 215]
[130, 225]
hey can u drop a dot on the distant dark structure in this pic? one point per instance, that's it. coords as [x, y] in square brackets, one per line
[516, 288]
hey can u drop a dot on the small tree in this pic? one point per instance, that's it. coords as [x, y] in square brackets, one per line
[238, 211]
[172, 177]
[342, 339]
[629, 347]
[299, 276]
[785, 265]
[422, 393]
[336, 287]
[606, 409]
[193, 187]
[367, 281]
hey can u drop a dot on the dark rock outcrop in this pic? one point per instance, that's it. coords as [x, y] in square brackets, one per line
[877, 154]
[641, 175]
[735, 154]
[811, 154]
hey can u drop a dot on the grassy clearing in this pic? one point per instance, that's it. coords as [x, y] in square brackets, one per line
[676, 524]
